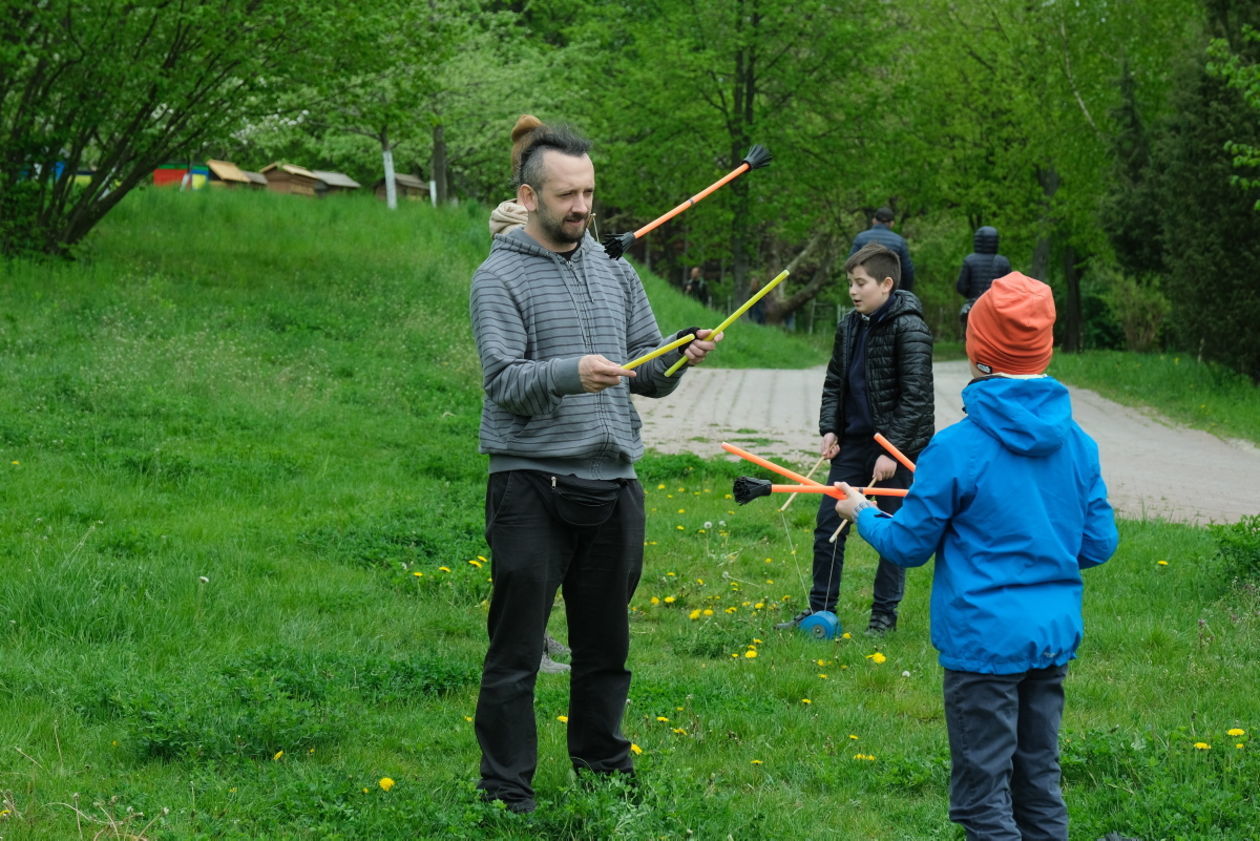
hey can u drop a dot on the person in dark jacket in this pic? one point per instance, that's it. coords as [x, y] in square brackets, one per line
[980, 268]
[881, 232]
[1011, 502]
[879, 380]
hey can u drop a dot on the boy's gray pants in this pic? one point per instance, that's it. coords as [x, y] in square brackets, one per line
[1004, 746]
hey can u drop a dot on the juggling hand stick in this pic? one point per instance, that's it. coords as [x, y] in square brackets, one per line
[894, 452]
[746, 489]
[761, 293]
[647, 357]
[757, 157]
[808, 475]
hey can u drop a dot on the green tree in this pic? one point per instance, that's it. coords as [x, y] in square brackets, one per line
[121, 88]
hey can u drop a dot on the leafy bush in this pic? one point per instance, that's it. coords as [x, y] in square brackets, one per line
[1239, 545]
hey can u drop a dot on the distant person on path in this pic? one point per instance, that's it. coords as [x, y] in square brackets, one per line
[979, 269]
[1011, 502]
[879, 379]
[881, 232]
[696, 287]
[508, 216]
[554, 318]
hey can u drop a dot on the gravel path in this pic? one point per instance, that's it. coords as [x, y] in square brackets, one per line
[775, 413]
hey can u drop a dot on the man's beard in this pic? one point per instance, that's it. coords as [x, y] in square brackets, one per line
[555, 228]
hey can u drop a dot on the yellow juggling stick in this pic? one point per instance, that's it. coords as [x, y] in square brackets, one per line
[761, 293]
[659, 351]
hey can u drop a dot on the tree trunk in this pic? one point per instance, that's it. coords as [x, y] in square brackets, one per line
[1071, 303]
[439, 163]
[391, 189]
[1049, 180]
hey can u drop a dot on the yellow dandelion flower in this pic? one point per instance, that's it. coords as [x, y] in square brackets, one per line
[1239, 745]
[757, 762]
[444, 569]
[853, 736]
[806, 701]
[695, 614]
[680, 528]
[846, 636]
[732, 609]
[15, 462]
[700, 581]
[1202, 746]
[680, 731]
[418, 574]
[563, 719]
[751, 653]
[821, 662]
[483, 559]
[745, 604]
[475, 563]
[670, 599]
[823, 675]
[877, 657]
[386, 783]
[1161, 563]
[1236, 731]
[661, 486]
[728, 496]
[682, 510]
[708, 611]
[468, 718]
[756, 641]
[759, 605]
[279, 754]
[635, 749]
[769, 580]
[662, 718]
[655, 600]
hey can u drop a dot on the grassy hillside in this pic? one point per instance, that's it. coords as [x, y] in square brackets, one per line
[242, 579]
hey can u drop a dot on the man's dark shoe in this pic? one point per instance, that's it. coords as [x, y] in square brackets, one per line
[881, 623]
[794, 621]
[517, 805]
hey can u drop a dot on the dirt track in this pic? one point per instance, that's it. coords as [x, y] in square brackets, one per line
[1154, 469]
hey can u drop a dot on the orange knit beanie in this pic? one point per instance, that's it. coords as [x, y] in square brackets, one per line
[1010, 328]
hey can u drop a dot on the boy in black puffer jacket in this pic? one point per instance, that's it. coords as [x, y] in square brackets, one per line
[879, 380]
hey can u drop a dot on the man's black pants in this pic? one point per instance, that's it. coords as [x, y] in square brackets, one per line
[534, 552]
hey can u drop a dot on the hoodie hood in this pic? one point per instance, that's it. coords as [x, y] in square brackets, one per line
[1030, 417]
[985, 240]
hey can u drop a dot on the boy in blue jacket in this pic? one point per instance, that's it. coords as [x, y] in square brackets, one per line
[1011, 502]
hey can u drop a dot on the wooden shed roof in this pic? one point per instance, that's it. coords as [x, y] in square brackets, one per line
[336, 179]
[227, 171]
[406, 181]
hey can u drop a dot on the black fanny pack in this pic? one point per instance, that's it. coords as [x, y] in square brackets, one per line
[584, 503]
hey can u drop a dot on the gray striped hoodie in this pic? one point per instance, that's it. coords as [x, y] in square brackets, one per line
[534, 315]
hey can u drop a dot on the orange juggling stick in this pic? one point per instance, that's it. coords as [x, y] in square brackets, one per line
[831, 490]
[770, 465]
[757, 157]
[894, 452]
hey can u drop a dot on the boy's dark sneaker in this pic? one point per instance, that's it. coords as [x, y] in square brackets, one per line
[794, 621]
[881, 623]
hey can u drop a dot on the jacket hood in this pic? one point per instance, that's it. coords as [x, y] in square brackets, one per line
[519, 241]
[1028, 417]
[986, 240]
[899, 303]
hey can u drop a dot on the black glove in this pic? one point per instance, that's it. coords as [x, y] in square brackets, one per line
[689, 331]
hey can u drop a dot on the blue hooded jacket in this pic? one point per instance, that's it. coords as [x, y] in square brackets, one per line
[1012, 503]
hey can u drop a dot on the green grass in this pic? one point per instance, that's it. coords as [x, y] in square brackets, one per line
[1202, 395]
[240, 579]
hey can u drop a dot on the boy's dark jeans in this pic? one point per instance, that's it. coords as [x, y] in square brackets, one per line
[534, 553]
[1004, 747]
[854, 464]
